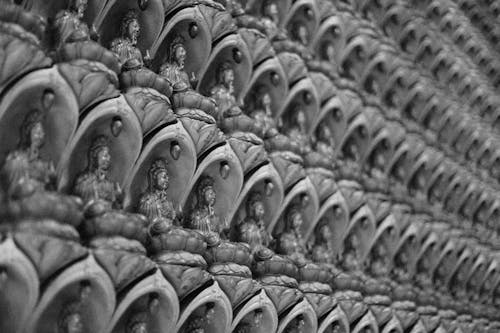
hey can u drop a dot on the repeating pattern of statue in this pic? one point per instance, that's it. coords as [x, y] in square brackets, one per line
[249, 166]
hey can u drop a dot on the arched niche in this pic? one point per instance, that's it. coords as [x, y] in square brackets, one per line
[421, 171]
[234, 50]
[423, 106]
[446, 259]
[428, 253]
[124, 147]
[20, 287]
[189, 25]
[64, 288]
[336, 318]
[327, 43]
[455, 281]
[367, 321]
[393, 326]
[332, 115]
[395, 90]
[60, 116]
[173, 145]
[262, 304]
[405, 254]
[457, 185]
[212, 295]
[387, 233]
[255, 7]
[357, 136]
[355, 56]
[224, 167]
[107, 17]
[305, 13]
[400, 162]
[303, 311]
[268, 77]
[380, 145]
[303, 194]
[476, 274]
[377, 71]
[303, 96]
[335, 211]
[166, 312]
[490, 278]
[267, 181]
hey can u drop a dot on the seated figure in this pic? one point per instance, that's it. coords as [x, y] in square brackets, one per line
[263, 116]
[313, 277]
[351, 257]
[325, 143]
[379, 259]
[203, 217]
[173, 71]
[125, 47]
[29, 182]
[229, 115]
[270, 20]
[321, 251]
[69, 26]
[102, 198]
[297, 131]
[374, 176]
[247, 325]
[252, 230]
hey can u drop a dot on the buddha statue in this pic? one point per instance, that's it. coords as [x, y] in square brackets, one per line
[174, 72]
[321, 251]
[203, 216]
[229, 115]
[138, 323]
[325, 142]
[297, 130]
[199, 323]
[379, 258]
[154, 203]
[348, 161]
[271, 20]
[290, 241]
[351, 260]
[69, 27]
[29, 182]
[262, 112]
[401, 260]
[375, 168]
[247, 325]
[103, 197]
[252, 230]
[297, 325]
[300, 33]
[125, 47]
[71, 316]
[423, 267]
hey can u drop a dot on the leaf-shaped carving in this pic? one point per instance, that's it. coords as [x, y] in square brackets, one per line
[258, 44]
[237, 289]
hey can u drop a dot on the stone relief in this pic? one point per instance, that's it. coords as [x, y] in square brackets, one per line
[206, 177]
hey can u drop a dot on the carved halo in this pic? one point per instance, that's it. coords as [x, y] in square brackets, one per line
[164, 317]
[223, 166]
[303, 309]
[59, 120]
[368, 320]
[269, 316]
[101, 120]
[335, 317]
[271, 78]
[231, 48]
[64, 288]
[107, 17]
[196, 38]
[295, 196]
[260, 181]
[222, 308]
[174, 145]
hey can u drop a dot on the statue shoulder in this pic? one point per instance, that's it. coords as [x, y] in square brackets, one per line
[83, 181]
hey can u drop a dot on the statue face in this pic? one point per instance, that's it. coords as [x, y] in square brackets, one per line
[162, 180]
[133, 31]
[180, 55]
[103, 159]
[37, 135]
[74, 324]
[209, 195]
[259, 210]
[271, 12]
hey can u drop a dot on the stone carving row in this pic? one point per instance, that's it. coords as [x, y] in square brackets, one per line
[183, 175]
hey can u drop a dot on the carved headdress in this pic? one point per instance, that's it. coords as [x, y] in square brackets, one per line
[30, 120]
[159, 165]
[253, 198]
[178, 41]
[99, 143]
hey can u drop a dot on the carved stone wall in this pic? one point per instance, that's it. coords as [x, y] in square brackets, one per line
[250, 166]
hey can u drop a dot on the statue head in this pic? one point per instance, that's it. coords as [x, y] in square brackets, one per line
[294, 218]
[255, 206]
[32, 131]
[225, 74]
[178, 51]
[270, 11]
[79, 6]
[263, 99]
[99, 155]
[158, 175]
[138, 323]
[71, 319]
[206, 192]
[130, 27]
